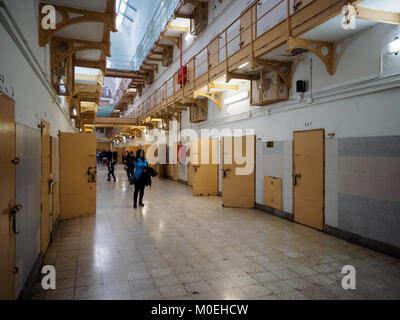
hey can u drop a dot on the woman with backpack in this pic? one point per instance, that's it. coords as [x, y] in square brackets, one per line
[140, 168]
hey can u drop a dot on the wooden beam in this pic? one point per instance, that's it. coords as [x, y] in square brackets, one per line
[175, 40]
[183, 16]
[177, 28]
[91, 64]
[124, 74]
[154, 66]
[378, 15]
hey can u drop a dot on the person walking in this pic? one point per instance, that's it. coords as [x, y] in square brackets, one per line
[111, 168]
[140, 168]
[131, 164]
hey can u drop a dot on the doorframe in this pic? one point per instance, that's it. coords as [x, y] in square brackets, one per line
[44, 123]
[323, 177]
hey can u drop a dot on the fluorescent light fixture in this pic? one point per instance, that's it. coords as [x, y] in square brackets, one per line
[243, 65]
[236, 98]
[394, 46]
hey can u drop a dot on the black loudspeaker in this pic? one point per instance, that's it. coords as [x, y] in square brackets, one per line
[301, 86]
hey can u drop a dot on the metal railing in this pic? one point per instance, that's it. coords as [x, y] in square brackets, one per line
[258, 19]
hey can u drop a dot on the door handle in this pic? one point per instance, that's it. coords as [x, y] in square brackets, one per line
[295, 176]
[195, 168]
[225, 171]
[13, 213]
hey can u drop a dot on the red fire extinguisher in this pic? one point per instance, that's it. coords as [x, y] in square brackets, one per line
[182, 72]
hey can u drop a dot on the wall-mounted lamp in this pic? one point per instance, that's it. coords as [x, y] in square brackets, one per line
[236, 98]
[394, 46]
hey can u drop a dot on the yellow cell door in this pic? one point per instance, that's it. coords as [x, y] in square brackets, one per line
[238, 172]
[190, 169]
[308, 178]
[46, 194]
[7, 197]
[77, 174]
[205, 167]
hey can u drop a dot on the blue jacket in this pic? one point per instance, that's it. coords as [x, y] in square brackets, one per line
[139, 165]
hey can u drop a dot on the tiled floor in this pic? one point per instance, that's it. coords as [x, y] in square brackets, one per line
[181, 247]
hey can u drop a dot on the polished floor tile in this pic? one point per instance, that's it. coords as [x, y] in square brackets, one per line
[181, 247]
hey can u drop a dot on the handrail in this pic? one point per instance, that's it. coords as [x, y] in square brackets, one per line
[229, 35]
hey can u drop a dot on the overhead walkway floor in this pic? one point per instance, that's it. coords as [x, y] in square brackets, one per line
[181, 247]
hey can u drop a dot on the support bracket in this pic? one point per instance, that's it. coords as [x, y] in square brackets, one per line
[214, 96]
[324, 50]
[71, 16]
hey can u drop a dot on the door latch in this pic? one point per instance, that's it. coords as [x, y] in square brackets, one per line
[15, 161]
[13, 213]
[196, 168]
[295, 176]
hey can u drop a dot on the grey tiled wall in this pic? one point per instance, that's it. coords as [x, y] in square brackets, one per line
[368, 187]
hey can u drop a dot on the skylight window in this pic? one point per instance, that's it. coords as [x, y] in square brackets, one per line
[125, 12]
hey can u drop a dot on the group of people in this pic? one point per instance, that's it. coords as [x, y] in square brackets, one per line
[109, 159]
[104, 157]
[136, 168]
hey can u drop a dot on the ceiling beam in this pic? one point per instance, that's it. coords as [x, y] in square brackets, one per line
[378, 15]
[124, 74]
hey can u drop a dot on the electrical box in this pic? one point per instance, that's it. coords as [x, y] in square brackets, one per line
[301, 86]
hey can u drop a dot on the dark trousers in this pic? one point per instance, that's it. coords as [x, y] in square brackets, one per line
[130, 171]
[112, 174]
[139, 190]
